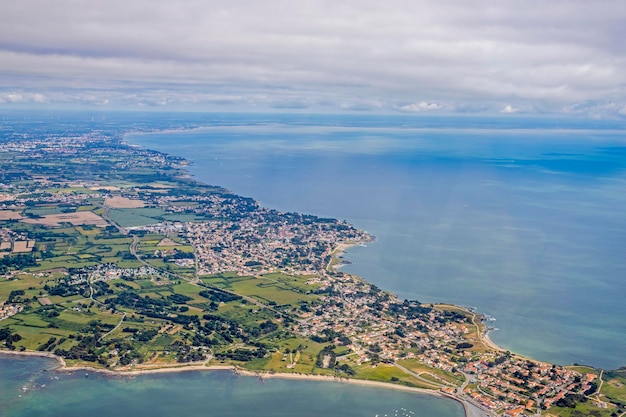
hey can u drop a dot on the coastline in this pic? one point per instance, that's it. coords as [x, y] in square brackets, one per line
[336, 262]
[63, 367]
[336, 255]
[486, 340]
[511, 339]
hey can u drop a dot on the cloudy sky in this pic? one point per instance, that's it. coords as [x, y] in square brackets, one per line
[429, 56]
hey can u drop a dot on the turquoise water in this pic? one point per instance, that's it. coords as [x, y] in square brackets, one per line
[29, 387]
[521, 218]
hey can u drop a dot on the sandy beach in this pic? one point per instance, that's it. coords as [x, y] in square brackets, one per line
[490, 343]
[339, 251]
[327, 378]
[239, 371]
[470, 410]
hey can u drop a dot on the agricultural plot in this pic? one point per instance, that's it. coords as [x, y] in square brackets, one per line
[182, 217]
[268, 291]
[150, 243]
[189, 290]
[76, 219]
[25, 282]
[300, 283]
[124, 264]
[123, 313]
[272, 289]
[10, 215]
[130, 217]
[87, 208]
[62, 262]
[123, 202]
[88, 231]
[44, 210]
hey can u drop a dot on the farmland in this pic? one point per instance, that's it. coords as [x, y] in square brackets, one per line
[112, 256]
[107, 268]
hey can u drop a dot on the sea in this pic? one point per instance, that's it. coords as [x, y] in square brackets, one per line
[519, 218]
[30, 387]
[523, 219]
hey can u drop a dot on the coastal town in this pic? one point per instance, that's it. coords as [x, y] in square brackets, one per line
[111, 255]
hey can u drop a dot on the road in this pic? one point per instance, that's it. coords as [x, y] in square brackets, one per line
[113, 329]
[418, 376]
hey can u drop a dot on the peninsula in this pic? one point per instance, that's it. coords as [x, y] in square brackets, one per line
[113, 257]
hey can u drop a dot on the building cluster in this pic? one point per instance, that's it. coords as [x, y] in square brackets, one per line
[252, 246]
[517, 384]
[370, 318]
[381, 328]
[8, 310]
[14, 242]
[237, 235]
[107, 272]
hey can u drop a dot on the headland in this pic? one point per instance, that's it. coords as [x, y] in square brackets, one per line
[132, 267]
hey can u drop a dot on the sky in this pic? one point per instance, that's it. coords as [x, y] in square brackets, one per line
[398, 56]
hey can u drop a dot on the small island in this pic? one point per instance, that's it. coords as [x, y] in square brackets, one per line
[112, 257]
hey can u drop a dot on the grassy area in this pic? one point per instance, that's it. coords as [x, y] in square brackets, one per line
[474, 329]
[277, 289]
[181, 217]
[307, 355]
[582, 410]
[583, 369]
[91, 231]
[425, 371]
[21, 282]
[189, 290]
[390, 373]
[614, 386]
[136, 216]
[73, 262]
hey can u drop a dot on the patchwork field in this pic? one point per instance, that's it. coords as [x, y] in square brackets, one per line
[123, 202]
[77, 218]
[129, 217]
[10, 215]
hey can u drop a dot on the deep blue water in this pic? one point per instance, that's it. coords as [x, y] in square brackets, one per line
[28, 387]
[523, 219]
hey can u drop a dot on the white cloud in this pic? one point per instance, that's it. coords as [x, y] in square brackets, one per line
[423, 106]
[310, 53]
[598, 109]
[20, 97]
[508, 109]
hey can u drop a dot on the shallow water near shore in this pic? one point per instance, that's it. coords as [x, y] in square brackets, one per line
[30, 387]
[521, 218]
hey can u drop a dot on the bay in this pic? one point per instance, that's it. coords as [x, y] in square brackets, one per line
[31, 387]
[522, 219]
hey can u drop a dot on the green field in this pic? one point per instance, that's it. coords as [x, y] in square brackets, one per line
[136, 216]
[280, 289]
[389, 373]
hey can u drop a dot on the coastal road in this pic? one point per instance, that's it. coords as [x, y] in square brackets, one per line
[471, 409]
[468, 378]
